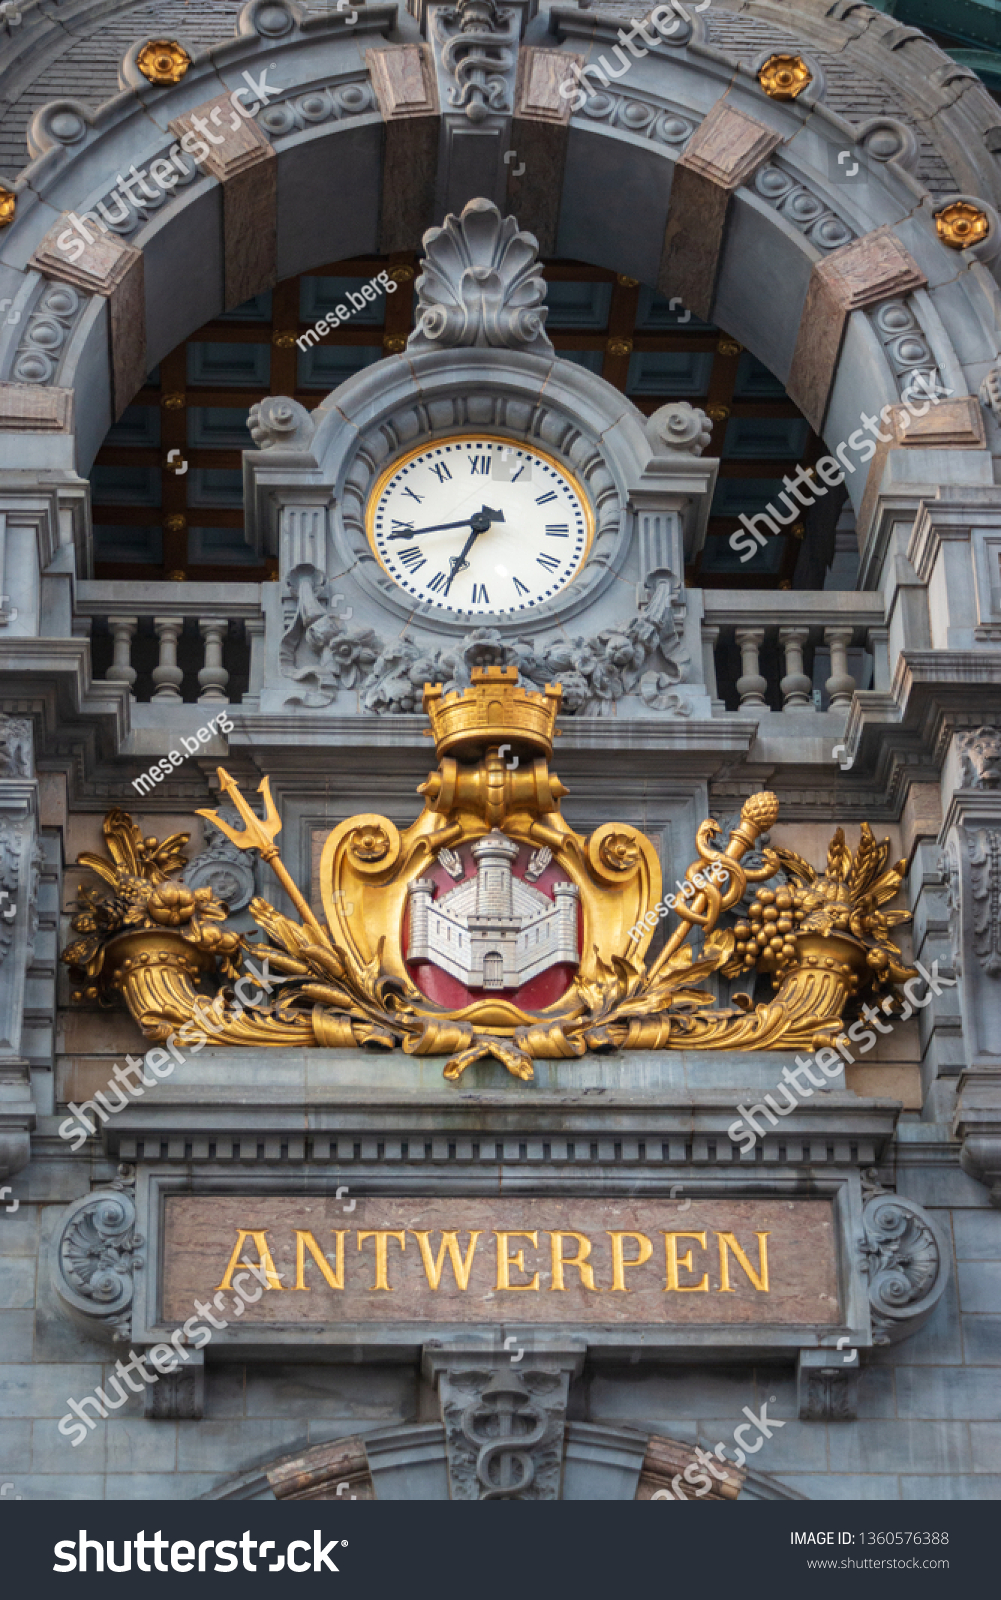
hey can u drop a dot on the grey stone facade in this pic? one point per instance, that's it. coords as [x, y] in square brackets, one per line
[845, 292]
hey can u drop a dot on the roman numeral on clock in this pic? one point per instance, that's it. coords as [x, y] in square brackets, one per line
[544, 499]
[549, 562]
[402, 527]
[437, 582]
[480, 596]
[441, 472]
[480, 464]
[557, 530]
[410, 492]
[413, 558]
[522, 588]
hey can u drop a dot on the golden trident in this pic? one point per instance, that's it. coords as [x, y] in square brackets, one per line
[260, 835]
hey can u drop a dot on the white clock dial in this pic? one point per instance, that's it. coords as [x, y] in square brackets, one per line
[479, 525]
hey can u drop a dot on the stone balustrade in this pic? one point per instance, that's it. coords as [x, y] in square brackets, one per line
[794, 651]
[187, 642]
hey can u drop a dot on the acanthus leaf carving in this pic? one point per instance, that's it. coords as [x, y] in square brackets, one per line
[481, 285]
[319, 648]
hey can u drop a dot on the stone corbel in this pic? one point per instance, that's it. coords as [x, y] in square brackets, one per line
[96, 1255]
[906, 1262]
[504, 1413]
[978, 1126]
[178, 1395]
[827, 1385]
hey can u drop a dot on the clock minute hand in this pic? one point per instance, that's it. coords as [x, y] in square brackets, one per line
[438, 527]
[480, 522]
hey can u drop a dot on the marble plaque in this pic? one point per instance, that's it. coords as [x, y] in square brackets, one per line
[609, 1262]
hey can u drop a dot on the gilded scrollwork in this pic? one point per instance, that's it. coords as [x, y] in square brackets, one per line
[348, 979]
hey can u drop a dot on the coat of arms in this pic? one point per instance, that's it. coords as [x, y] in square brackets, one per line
[490, 927]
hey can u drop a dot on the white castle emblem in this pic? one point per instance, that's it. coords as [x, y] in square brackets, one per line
[494, 931]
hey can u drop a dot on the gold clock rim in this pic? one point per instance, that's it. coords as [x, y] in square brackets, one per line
[470, 438]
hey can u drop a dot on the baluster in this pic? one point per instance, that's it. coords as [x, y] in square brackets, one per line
[878, 640]
[751, 685]
[121, 669]
[213, 676]
[710, 639]
[797, 688]
[168, 676]
[840, 685]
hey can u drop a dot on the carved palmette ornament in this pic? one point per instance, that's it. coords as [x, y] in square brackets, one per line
[95, 1258]
[481, 285]
[906, 1262]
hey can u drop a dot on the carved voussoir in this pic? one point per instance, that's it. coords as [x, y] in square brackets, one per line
[503, 1423]
[403, 81]
[102, 264]
[28, 408]
[873, 268]
[724, 151]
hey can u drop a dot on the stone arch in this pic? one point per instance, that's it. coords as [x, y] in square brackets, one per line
[695, 179]
[409, 1462]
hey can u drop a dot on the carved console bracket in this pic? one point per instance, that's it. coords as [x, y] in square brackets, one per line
[978, 1125]
[96, 1256]
[906, 1261]
[176, 1395]
[827, 1385]
[504, 1410]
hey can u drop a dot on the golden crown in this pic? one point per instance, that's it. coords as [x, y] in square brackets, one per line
[494, 711]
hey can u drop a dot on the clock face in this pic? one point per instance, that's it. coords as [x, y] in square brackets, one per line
[479, 525]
